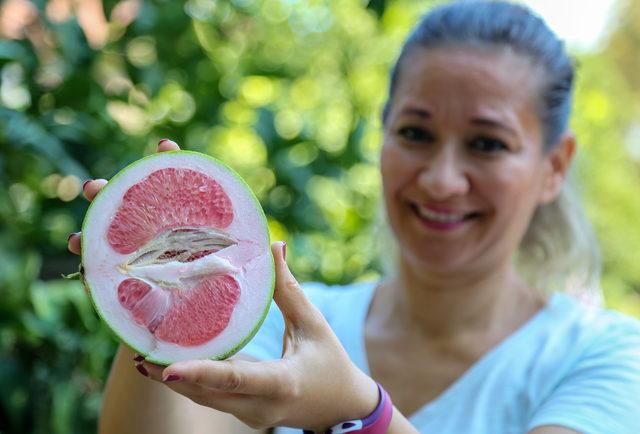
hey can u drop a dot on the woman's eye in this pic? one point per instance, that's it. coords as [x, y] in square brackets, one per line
[487, 144]
[413, 133]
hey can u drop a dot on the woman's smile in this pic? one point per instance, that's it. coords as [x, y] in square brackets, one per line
[442, 219]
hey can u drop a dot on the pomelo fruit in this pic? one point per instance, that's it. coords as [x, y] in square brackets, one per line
[176, 258]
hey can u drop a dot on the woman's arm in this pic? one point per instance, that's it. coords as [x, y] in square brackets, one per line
[400, 424]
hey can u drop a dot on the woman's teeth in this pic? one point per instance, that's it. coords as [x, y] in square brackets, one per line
[440, 217]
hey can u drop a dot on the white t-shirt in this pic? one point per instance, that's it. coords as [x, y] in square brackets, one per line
[569, 365]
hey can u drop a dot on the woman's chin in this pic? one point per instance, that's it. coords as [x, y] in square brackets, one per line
[436, 261]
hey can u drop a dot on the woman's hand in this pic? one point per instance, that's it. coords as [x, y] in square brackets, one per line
[313, 386]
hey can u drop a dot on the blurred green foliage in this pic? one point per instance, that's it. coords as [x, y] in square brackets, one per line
[288, 92]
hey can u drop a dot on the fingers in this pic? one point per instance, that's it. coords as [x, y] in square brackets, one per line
[148, 369]
[288, 295]
[73, 243]
[181, 383]
[231, 376]
[238, 387]
[91, 187]
[167, 145]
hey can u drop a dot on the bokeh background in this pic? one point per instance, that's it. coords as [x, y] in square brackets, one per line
[287, 92]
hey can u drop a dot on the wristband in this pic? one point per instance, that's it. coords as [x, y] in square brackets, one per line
[376, 423]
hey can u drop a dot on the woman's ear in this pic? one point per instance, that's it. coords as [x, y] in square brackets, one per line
[557, 163]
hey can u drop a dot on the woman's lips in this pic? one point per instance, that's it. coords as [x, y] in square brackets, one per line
[441, 219]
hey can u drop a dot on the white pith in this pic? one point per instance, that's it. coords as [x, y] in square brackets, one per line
[249, 262]
[439, 217]
[171, 273]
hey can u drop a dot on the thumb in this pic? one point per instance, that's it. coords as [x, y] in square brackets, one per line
[297, 310]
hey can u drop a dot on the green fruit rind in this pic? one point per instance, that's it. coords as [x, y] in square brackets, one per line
[257, 206]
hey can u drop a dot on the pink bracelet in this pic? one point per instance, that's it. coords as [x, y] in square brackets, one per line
[376, 423]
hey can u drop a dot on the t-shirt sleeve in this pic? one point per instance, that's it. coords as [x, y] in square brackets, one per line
[601, 393]
[267, 342]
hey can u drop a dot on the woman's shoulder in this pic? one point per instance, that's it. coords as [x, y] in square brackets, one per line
[585, 369]
[591, 323]
[576, 344]
[573, 334]
[573, 343]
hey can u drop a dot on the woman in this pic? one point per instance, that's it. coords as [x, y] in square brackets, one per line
[476, 152]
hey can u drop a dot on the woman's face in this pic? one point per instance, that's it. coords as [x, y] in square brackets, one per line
[463, 165]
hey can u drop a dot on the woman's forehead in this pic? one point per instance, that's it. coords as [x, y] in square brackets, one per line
[481, 81]
[499, 71]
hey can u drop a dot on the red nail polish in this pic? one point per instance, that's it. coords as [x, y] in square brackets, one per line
[142, 370]
[172, 377]
[284, 250]
[138, 358]
[84, 185]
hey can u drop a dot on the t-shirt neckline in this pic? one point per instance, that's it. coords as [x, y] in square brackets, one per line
[518, 334]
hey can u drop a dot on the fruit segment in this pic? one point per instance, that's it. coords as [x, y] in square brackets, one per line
[165, 199]
[206, 309]
[186, 317]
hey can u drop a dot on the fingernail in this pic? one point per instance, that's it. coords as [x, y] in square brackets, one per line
[284, 250]
[142, 370]
[84, 185]
[162, 141]
[172, 377]
[138, 358]
[70, 235]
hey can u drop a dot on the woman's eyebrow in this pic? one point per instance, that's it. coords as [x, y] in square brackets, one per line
[487, 122]
[480, 121]
[413, 111]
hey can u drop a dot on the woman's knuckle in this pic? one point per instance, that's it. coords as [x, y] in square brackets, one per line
[197, 376]
[292, 285]
[233, 381]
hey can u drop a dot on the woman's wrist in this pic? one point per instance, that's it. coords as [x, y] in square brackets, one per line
[365, 399]
[369, 409]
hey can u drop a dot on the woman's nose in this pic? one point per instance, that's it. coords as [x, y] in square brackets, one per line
[443, 175]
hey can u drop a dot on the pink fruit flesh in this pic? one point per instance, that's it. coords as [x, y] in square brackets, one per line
[168, 198]
[207, 309]
[186, 317]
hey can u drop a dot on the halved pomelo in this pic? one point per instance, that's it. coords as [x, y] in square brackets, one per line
[176, 258]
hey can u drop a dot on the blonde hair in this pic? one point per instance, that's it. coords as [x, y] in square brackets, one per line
[560, 250]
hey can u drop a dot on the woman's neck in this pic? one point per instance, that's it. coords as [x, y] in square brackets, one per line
[454, 306]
